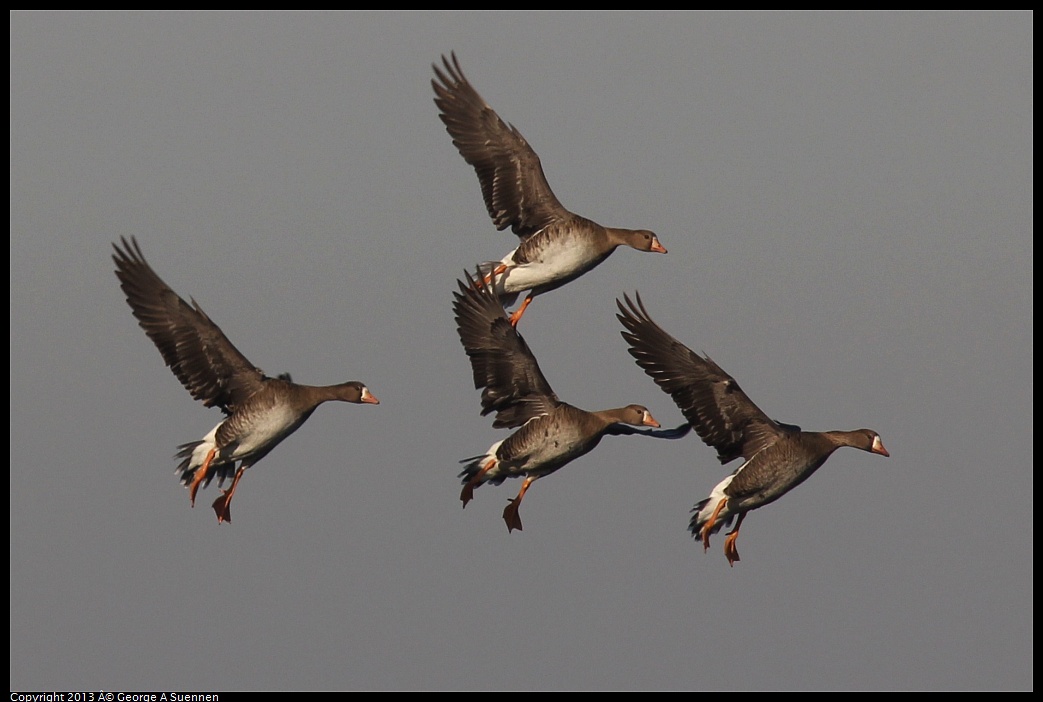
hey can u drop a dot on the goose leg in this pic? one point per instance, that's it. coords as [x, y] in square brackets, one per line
[517, 314]
[708, 527]
[200, 476]
[730, 552]
[467, 494]
[221, 503]
[490, 277]
[510, 512]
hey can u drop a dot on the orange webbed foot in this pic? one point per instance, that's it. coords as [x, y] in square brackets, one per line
[200, 476]
[510, 515]
[467, 494]
[730, 552]
[517, 314]
[510, 512]
[221, 504]
[221, 507]
[708, 527]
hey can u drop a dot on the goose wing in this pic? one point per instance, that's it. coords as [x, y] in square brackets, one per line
[209, 366]
[515, 189]
[513, 386]
[710, 399]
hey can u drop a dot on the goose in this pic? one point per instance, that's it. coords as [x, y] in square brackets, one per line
[556, 246]
[550, 433]
[776, 457]
[260, 411]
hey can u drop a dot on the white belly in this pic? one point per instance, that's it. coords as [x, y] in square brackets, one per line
[556, 264]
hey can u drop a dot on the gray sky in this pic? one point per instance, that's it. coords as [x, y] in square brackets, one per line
[847, 204]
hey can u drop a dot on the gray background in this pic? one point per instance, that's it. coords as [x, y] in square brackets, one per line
[847, 202]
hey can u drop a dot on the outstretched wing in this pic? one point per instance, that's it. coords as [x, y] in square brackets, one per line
[512, 383]
[197, 351]
[515, 189]
[710, 399]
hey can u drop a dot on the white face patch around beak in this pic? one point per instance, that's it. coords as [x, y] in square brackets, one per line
[878, 446]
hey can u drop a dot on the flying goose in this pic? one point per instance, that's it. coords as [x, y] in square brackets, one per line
[776, 457]
[261, 411]
[556, 245]
[550, 433]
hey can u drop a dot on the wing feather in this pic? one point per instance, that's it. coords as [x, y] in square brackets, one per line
[209, 366]
[710, 399]
[514, 187]
[513, 386]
